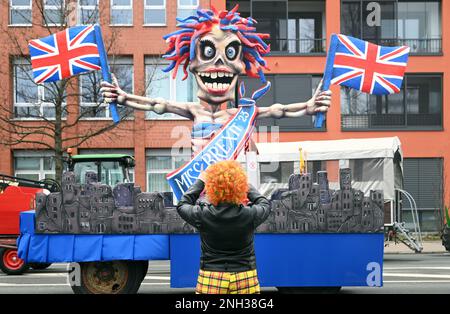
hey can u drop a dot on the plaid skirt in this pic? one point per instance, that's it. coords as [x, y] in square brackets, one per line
[215, 282]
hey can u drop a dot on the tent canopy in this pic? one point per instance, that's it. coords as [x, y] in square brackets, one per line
[379, 166]
[384, 147]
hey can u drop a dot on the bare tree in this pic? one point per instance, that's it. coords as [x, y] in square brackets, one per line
[46, 116]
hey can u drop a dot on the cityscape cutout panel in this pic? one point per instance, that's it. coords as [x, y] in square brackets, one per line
[304, 207]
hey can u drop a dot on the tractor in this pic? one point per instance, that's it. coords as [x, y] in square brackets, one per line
[18, 194]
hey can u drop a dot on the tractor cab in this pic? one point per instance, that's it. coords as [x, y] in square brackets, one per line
[110, 168]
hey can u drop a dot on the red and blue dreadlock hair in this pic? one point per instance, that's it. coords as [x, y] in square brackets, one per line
[183, 41]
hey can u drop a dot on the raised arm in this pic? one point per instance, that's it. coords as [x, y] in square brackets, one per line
[319, 102]
[260, 208]
[186, 207]
[113, 92]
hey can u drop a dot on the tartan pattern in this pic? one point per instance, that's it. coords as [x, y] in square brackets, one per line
[215, 282]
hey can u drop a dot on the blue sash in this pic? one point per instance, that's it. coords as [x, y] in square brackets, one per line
[225, 145]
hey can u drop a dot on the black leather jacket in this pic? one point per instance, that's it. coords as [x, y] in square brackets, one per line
[226, 230]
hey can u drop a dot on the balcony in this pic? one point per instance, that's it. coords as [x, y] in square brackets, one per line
[282, 46]
[418, 46]
[418, 106]
[390, 121]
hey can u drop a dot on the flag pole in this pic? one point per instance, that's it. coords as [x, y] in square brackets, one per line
[105, 69]
[320, 116]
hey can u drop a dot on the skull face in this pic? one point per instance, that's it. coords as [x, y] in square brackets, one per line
[217, 65]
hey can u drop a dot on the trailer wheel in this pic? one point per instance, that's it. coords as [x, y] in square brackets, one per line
[39, 266]
[144, 269]
[309, 290]
[10, 263]
[114, 277]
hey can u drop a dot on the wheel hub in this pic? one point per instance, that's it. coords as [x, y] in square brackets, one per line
[105, 277]
[11, 260]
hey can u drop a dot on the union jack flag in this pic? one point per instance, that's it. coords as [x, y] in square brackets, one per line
[367, 67]
[66, 53]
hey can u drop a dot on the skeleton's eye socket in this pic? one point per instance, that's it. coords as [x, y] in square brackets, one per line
[231, 53]
[208, 50]
[232, 50]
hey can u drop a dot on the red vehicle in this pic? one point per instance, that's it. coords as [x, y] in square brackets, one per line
[16, 195]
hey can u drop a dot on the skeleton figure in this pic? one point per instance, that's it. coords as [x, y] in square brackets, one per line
[217, 47]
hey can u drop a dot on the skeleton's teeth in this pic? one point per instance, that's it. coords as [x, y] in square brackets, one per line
[214, 85]
[215, 74]
[209, 85]
[225, 85]
[219, 86]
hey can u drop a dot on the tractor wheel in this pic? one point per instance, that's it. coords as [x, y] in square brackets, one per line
[39, 266]
[113, 277]
[10, 263]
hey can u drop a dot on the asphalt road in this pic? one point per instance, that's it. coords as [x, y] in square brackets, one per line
[402, 274]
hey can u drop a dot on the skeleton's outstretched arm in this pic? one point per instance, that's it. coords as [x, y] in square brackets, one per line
[112, 92]
[319, 102]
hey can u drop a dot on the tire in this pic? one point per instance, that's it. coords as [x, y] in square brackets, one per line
[309, 290]
[114, 277]
[10, 263]
[39, 266]
[144, 269]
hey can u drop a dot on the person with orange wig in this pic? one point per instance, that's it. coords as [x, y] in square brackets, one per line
[226, 220]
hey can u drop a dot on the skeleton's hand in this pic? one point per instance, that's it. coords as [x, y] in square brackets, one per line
[113, 92]
[320, 101]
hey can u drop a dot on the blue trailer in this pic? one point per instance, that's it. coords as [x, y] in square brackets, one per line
[118, 263]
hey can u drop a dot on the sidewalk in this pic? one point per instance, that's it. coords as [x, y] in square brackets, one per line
[428, 247]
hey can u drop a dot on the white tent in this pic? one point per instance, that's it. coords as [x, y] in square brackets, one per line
[385, 147]
[376, 163]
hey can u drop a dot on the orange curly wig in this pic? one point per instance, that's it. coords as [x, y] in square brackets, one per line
[226, 182]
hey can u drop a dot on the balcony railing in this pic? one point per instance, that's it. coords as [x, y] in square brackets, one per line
[297, 46]
[384, 121]
[418, 46]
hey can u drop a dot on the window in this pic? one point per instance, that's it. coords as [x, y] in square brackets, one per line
[88, 12]
[54, 12]
[365, 170]
[121, 12]
[160, 162]
[32, 101]
[92, 106]
[186, 7]
[417, 106]
[161, 84]
[114, 173]
[416, 24]
[155, 12]
[419, 25]
[285, 89]
[20, 12]
[294, 26]
[34, 165]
